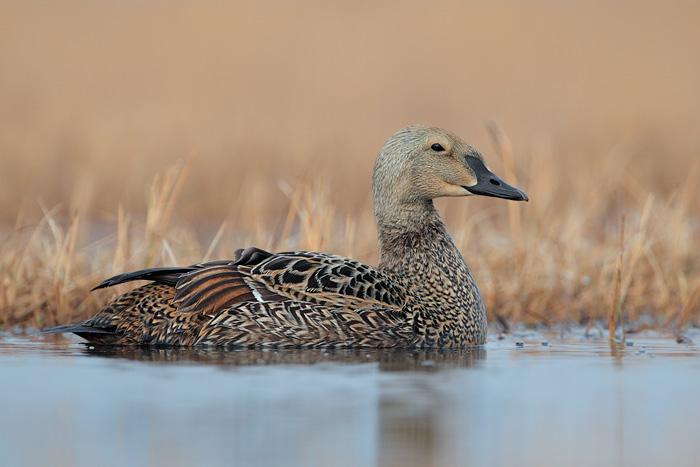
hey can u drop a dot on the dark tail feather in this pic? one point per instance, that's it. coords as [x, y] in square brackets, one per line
[93, 335]
[77, 329]
[168, 276]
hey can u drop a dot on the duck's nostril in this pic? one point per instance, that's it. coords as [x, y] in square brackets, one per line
[495, 182]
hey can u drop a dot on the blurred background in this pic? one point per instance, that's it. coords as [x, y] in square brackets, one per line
[273, 103]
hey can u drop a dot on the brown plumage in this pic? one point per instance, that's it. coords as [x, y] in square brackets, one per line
[420, 295]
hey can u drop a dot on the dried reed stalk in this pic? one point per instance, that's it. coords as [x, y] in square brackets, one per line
[615, 313]
[685, 313]
[503, 145]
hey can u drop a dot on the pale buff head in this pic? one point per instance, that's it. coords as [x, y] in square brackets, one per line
[420, 163]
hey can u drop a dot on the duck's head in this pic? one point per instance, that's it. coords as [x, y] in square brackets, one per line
[421, 163]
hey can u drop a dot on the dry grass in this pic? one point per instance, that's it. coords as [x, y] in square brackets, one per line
[279, 110]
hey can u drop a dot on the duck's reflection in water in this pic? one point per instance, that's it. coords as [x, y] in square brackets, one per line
[388, 359]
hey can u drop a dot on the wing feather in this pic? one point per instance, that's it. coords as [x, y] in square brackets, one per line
[329, 279]
[314, 278]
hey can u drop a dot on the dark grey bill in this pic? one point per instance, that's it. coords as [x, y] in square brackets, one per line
[488, 183]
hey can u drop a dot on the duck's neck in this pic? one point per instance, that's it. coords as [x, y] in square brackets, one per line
[412, 237]
[414, 246]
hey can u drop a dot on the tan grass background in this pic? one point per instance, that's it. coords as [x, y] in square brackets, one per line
[276, 111]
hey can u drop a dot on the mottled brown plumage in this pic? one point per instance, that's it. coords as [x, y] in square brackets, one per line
[421, 294]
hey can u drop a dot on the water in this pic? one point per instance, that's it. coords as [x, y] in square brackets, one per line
[576, 401]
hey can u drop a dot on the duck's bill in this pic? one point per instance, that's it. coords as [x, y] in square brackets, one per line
[489, 184]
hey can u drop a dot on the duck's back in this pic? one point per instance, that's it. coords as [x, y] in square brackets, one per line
[299, 299]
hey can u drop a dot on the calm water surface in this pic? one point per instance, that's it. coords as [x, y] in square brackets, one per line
[576, 401]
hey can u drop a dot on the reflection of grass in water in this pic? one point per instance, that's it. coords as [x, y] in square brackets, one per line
[281, 128]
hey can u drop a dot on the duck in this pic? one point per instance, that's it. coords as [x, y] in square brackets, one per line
[421, 295]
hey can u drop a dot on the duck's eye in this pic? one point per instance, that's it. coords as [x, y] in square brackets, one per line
[437, 147]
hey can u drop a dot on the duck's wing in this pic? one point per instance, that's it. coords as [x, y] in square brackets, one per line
[297, 299]
[258, 299]
[261, 277]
